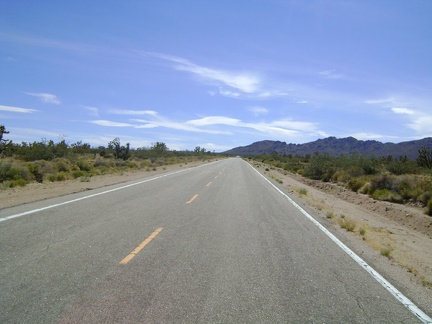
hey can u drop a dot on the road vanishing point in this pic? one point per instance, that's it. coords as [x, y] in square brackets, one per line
[211, 244]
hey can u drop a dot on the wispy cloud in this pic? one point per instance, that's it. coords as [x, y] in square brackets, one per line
[214, 120]
[258, 110]
[331, 74]
[93, 111]
[273, 128]
[45, 97]
[422, 125]
[132, 112]
[403, 111]
[416, 112]
[371, 136]
[108, 123]
[235, 84]
[17, 109]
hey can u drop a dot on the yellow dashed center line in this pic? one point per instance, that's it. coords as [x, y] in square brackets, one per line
[192, 199]
[208, 184]
[131, 255]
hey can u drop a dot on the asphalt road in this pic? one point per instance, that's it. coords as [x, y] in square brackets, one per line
[211, 244]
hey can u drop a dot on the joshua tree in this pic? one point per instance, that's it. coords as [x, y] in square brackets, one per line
[4, 143]
[425, 157]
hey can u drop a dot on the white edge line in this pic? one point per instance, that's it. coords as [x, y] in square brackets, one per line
[99, 193]
[387, 285]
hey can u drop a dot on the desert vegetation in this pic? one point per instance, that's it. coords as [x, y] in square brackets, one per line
[399, 180]
[46, 160]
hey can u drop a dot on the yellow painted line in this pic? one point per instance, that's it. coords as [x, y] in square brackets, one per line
[192, 199]
[208, 184]
[131, 255]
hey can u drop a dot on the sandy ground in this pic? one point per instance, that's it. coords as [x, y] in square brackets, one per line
[403, 233]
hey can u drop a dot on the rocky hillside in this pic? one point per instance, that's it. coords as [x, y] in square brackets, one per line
[335, 146]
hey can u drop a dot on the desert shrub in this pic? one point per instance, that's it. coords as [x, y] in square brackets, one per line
[424, 198]
[59, 176]
[9, 171]
[340, 176]
[407, 188]
[84, 165]
[35, 169]
[78, 174]
[402, 166]
[356, 183]
[120, 163]
[61, 165]
[14, 183]
[379, 182]
[387, 195]
[102, 163]
[302, 191]
[130, 165]
[145, 164]
[347, 224]
[365, 189]
[320, 167]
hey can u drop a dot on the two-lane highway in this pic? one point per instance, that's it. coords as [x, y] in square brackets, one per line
[212, 244]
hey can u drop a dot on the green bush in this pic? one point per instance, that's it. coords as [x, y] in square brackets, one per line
[387, 195]
[102, 163]
[59, 176]
[320, 167]
[425, 197]
[354, 184]
[9, 171]
[84, 165]
[36, 170]
[78, 174]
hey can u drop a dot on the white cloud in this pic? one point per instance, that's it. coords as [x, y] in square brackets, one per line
[370, 136]
[214, 120]
[422, 124]
[187, 127]
[93, 111]
[132, 112]
[302, 102]
[108, 123]
[17, 109]
[386, 102]
[239, 84]
[258, 110]
[331, 74]
[45, 97]
[405, 111]
[242, 81]
[20, 134]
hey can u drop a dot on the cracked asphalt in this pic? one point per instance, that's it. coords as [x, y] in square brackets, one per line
[230, 249]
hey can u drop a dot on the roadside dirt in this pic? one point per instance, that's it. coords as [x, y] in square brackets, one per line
[394, 239]
[40, 191]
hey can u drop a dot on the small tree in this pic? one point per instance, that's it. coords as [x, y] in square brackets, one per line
[159, 148]
[4, 143]
[120, 152]
[425, 157]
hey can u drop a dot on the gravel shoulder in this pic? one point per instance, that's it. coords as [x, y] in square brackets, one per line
[404, 231]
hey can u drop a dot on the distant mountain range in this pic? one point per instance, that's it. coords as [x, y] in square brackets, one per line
[335, 146]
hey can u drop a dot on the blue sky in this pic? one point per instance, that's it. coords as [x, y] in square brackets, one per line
[215, 74]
